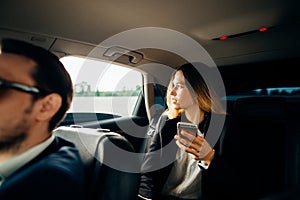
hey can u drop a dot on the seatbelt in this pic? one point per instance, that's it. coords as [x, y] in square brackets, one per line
[150, 132]
[155, 125]
[156, 119]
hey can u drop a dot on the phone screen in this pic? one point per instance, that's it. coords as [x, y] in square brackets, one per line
[189, 127]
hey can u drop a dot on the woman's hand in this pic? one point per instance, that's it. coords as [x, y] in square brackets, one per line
[195, 145]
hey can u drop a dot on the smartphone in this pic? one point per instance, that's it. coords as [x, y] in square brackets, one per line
[189, 127]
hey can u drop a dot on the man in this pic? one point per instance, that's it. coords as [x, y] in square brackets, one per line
[35, 93]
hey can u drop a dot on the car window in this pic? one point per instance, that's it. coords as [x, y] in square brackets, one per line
[102, 87]
[272, 92]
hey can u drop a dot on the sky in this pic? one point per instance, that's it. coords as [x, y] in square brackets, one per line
[107, 76]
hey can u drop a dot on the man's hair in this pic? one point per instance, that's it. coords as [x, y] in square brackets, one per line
[49, 73]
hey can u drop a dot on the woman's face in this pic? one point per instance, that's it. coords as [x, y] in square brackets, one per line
[180, 96]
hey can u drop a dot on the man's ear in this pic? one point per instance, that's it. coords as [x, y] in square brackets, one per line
[49, 105]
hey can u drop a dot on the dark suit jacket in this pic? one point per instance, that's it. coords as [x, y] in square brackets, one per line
[57, 173]
[214, 180]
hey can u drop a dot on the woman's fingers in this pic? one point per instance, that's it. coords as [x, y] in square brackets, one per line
[188, 141]
[192, 144]
[192, 139]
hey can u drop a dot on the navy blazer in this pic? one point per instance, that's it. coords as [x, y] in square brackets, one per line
[57, 173]
[214, 180]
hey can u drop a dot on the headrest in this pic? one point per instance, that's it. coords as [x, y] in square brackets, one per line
[108, 147]
[271, 107]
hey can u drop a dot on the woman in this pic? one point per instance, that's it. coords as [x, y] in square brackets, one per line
[169, 172]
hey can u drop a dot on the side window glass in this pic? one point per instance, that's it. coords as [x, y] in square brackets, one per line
[160, 96]
[101, 87]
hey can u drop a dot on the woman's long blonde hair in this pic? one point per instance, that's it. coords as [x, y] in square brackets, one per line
[206, 97]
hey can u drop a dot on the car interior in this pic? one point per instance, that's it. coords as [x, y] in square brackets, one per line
[252, 47]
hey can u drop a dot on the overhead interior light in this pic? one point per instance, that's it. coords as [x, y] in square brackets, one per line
[225, 37]
[263, 29]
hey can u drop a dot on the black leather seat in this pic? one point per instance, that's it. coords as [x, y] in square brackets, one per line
[293, 143]
[110, 174]
[255, 144]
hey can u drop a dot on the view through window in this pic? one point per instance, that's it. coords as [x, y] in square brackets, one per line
[101, 87]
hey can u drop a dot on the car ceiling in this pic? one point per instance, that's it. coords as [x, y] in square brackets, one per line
[77, 26]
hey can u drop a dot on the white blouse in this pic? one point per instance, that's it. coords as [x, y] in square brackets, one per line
[185, 177]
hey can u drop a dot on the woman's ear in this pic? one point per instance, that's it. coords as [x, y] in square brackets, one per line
[48, 106]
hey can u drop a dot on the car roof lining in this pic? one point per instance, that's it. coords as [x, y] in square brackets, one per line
[201, 20]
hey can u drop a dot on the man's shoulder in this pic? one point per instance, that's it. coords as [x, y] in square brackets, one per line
[58, 167]
[61, 154]
[60, 157]
[59, 160]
